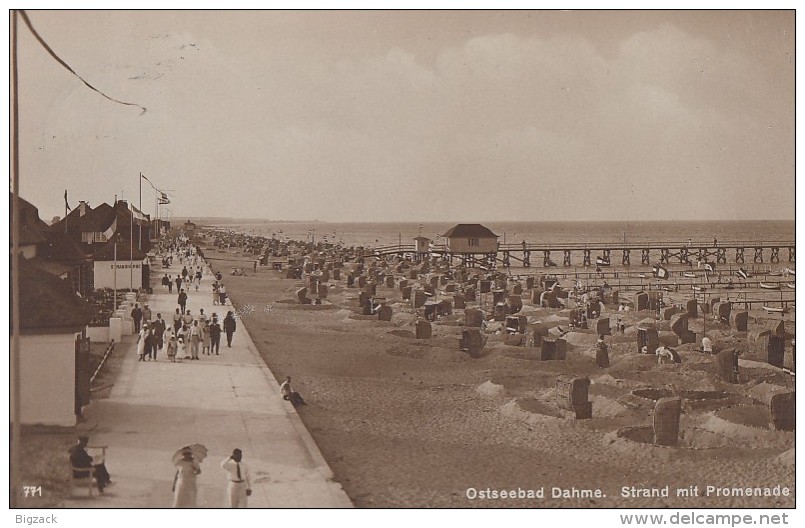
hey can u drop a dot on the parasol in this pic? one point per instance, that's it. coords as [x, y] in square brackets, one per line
[199, 453]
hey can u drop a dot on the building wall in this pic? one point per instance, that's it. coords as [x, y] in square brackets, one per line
[104, 274]
[464, 245]
[47, 384]
[422, 245]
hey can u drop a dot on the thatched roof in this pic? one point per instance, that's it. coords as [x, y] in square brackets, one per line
[63, 248]
[48, 305]
[32, 228]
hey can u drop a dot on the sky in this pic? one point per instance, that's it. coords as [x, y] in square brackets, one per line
[414, 115]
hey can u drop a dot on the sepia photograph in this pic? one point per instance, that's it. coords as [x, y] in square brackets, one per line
[388, 258]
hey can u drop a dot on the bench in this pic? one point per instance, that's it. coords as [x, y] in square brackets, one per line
[87, 479]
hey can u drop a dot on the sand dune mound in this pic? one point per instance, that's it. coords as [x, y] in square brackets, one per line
[488, 388]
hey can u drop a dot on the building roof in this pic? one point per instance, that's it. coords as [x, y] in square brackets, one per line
[32, 228]
[73, 221]
[469, 231]
[124, 247]
[53, 267]
[48, 304]
[63, 248]
[99, 219]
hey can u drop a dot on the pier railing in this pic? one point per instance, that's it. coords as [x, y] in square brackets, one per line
[650, 244]
[605, 253]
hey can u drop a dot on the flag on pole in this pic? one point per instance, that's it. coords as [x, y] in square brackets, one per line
[163, 199]
[660, 272]
[138, 215]
[742, 273]
[65, 201]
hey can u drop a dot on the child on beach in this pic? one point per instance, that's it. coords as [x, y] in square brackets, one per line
[172, 348]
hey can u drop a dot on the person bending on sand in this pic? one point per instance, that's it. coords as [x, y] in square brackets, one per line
[289, 394]
[664, 354]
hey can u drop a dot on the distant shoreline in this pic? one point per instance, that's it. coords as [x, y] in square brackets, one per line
[247, 221]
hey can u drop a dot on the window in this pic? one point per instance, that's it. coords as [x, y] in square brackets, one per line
[473, 242]
[89, 237]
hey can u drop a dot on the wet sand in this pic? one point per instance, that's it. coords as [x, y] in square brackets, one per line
[402, 421]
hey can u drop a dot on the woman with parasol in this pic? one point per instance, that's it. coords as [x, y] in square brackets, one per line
[187, 460]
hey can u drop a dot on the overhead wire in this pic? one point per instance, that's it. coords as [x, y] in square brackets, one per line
[61, 61]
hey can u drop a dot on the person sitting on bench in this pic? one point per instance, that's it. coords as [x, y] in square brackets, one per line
[289, 394]
[84, 467]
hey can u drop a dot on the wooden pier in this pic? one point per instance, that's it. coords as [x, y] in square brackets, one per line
[614, 253]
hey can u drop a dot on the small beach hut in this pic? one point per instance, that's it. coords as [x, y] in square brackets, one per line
[422, 245]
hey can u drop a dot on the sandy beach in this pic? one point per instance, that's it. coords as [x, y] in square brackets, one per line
[411, 423]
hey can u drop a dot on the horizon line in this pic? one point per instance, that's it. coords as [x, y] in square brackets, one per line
[198, 217]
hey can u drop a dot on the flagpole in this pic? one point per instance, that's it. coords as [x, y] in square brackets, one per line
[131, 249]
[16, 408]
[140, 241]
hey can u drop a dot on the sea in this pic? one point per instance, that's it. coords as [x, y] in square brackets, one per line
[390, 233]
[701, 233]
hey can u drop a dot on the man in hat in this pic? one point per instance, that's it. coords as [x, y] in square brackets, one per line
[137, 315]
[79, 458]
[239, 486]
[146, 314]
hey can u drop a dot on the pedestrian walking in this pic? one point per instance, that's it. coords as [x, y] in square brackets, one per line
[177, 321]
[195, 340]
[184, 482]
[182, 338]
[182, 300]
[170, 284]
[137, 315]
[159, 332]
[165, 280]
[187, 319]
[221, 294]
[239, 486]
[141, 343]
[215, 335]
[173, 348]
[215, 295]
[205, 338]
[147, 314]
[151, 343]
[230, 325]
[202, 317]
[178, 282]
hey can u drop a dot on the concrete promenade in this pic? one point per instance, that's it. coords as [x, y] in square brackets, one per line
[223, 402]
